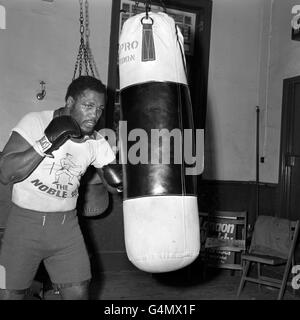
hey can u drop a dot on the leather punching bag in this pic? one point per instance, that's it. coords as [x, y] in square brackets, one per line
[161, 223]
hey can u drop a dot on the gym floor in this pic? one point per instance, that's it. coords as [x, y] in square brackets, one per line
[217, 284]
[141, 286]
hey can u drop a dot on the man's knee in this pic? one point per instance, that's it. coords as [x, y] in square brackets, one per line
[6, 294]
[75, 292]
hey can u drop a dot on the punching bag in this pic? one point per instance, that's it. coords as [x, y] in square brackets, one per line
[161, 224]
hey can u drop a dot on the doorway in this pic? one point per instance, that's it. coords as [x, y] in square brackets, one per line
[289, 174]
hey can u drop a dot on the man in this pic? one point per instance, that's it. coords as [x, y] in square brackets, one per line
[42, 225]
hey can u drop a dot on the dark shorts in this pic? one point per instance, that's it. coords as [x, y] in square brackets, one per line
[54, 238]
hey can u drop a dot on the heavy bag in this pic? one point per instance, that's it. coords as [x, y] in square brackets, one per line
[161, 223]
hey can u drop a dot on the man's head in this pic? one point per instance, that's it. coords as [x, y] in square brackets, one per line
[85, 101]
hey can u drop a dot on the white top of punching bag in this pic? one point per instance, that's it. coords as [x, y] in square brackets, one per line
[168, 64]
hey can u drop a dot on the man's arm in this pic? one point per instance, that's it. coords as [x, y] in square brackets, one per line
[18, 159]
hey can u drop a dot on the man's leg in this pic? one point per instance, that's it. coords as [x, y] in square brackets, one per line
[6, 294]
[69, 267]
[75, 292]
[20, 254]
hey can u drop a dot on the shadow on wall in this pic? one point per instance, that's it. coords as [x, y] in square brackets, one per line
[208, 201]
[210, 151]
[5, 203]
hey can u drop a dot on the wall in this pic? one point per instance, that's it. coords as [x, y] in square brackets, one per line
[233, 90]
[283, 63]
[240, 53]
[251, 53]
[41, 42]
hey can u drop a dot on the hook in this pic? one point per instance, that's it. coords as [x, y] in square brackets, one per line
[42, 93]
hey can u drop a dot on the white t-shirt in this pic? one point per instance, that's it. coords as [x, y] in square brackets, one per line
[53, 185]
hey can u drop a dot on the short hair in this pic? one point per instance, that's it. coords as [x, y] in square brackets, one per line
[78, 85]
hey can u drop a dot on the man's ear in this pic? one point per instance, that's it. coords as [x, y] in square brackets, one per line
[70, 101]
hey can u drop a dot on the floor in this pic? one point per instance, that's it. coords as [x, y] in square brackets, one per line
[139, 286]
[180, 285]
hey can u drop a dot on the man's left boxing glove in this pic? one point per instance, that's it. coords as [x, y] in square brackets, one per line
[59, 130]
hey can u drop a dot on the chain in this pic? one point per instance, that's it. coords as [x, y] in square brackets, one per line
[87, 44]
[81, 30]
[135, 7]
[87, 21]
[91, 59]
[148, 5]
[81, 19]
[162, 4]
[84, 52]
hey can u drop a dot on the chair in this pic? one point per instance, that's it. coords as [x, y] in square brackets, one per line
[1, 235]
[226, 236]
[273, 243]
[2, 270]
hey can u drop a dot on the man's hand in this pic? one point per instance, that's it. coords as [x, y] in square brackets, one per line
[111, 176]
[59, 130]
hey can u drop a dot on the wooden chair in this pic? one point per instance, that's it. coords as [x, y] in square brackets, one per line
[225, 239]
[2, 270]
[273, 243]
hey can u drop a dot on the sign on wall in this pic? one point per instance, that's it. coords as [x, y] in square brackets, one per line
[295, 22]
[223, 238]
[219, 230]
[225, 231]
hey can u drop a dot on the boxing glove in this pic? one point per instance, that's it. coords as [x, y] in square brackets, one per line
[112, 177]
[59, 130]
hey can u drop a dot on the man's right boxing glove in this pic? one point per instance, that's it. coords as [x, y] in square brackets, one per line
[112, 177]
[59, 130]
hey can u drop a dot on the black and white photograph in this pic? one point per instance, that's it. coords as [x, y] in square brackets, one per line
[149, 153]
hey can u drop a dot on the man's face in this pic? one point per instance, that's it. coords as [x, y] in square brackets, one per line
[86, 109]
